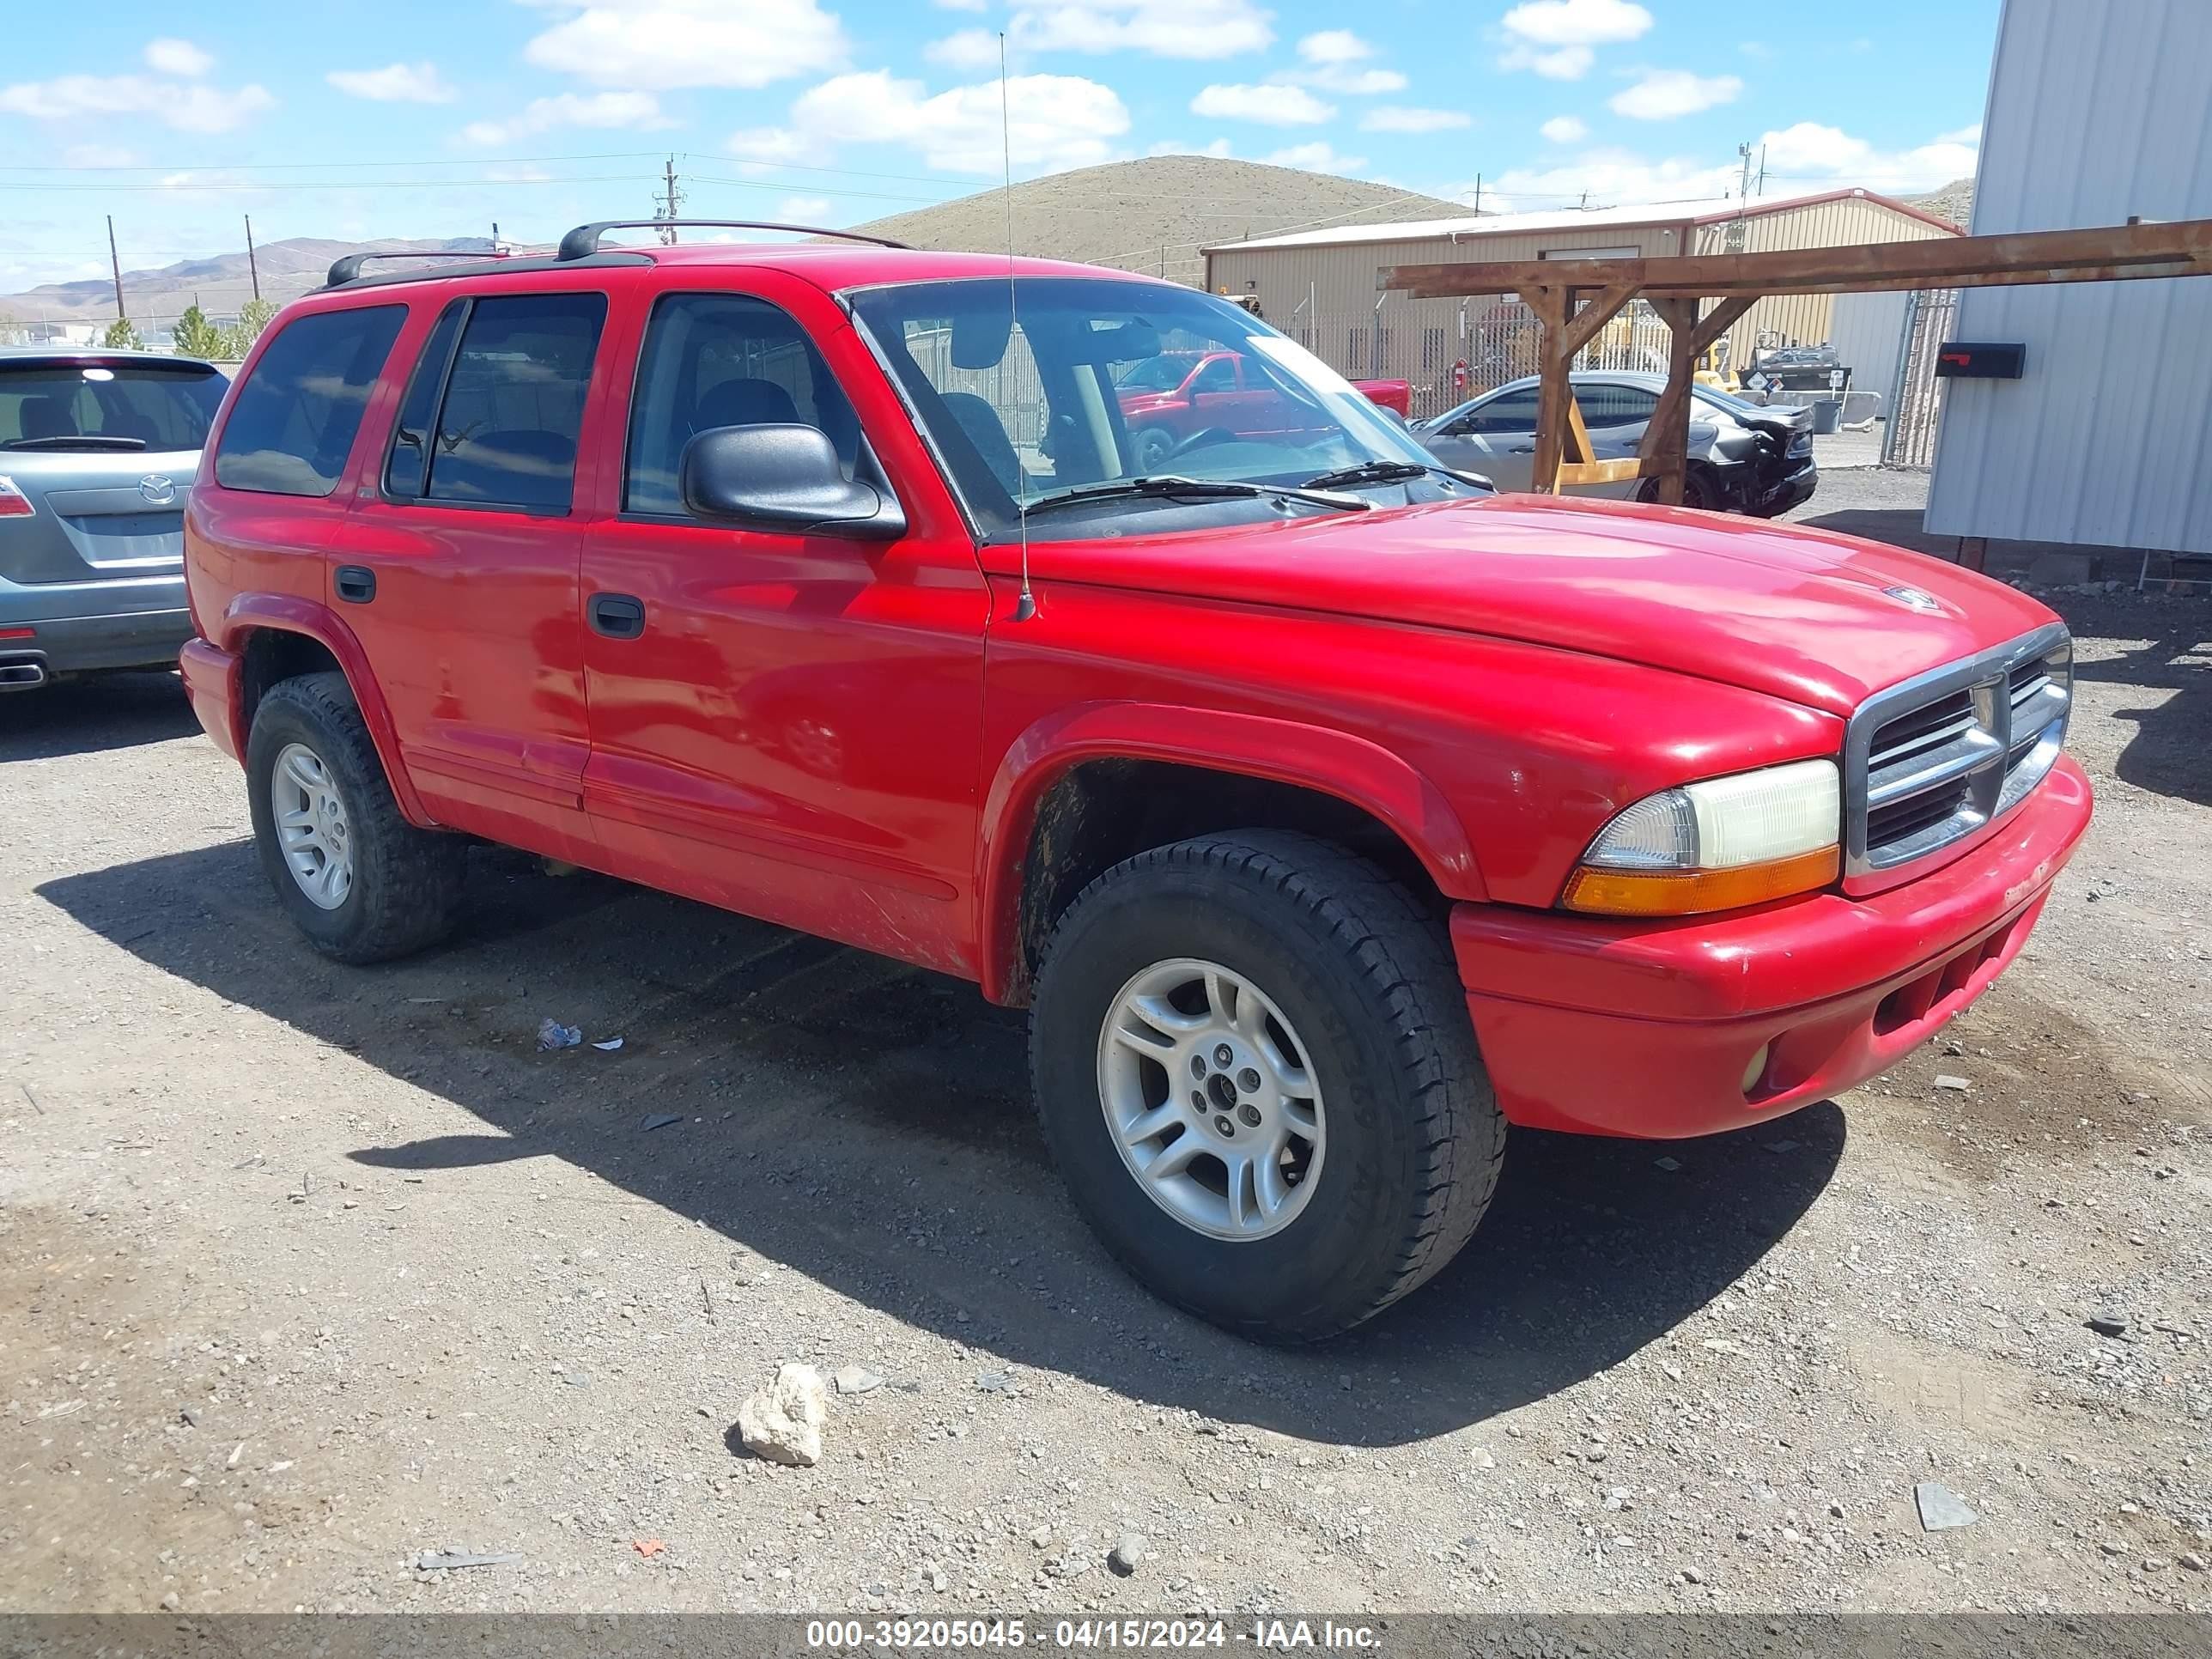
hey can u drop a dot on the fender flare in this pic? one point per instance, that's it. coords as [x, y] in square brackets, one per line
[1353, 768]
[285, 613]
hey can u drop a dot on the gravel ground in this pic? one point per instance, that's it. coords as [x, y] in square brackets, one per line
[307, 1270]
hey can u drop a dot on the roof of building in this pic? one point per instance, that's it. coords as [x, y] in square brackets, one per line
[1703, 211]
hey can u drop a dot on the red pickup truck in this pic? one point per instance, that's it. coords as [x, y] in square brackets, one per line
[1329, 812]
[1180, 399]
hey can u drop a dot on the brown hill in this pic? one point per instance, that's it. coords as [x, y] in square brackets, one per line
[219, 285]
[1153, 215]
[1955, 201]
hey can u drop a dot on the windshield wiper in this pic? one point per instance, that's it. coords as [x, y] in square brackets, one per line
[75, 441]
[1165, 486]
[1367, 472]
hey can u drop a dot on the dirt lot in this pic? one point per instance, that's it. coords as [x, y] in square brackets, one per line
[305, 1270]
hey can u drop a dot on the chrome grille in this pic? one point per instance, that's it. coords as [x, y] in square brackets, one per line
[1929, 763]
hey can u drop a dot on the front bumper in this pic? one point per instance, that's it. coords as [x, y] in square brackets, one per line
[1646, 1029]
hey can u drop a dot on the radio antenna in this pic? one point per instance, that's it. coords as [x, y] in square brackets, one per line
[1025, 606]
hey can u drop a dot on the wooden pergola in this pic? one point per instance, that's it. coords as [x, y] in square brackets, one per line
[1677, 287]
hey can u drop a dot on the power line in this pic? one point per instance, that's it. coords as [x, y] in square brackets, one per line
[264, 167]
[312, 184]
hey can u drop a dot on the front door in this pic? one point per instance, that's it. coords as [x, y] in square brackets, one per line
[785, 724]
[458, 567]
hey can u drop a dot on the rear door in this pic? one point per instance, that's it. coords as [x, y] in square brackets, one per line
[98, 455]
[457, 568]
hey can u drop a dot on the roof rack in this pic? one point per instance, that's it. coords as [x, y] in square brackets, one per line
[584, 241]
[346, 269]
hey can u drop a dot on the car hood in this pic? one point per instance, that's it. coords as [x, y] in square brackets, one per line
[1821, 619]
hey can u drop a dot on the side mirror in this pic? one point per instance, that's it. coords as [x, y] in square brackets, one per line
[782, 477]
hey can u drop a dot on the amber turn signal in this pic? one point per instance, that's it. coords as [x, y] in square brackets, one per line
[1694, 892]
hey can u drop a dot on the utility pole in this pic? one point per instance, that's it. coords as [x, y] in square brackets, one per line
[1762, 169]
[667, 208]
[1477, 195]
[252, 266]
[115, 264]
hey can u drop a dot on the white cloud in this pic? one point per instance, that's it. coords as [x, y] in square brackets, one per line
[187, 108]
[966, 49]
[1334, 46]
[1554, 36]
[1663, 94]
[1565, 130]
[1317, 157]
[1565, 63]
[633, 110]
[1810, 154]
[1273, 105]
[395, 83]
[177, 57]
[1393, 117]
[1806, 156]
[1165, 29]
[1577, 22]
[1054, 121]
[660, 44]
[1332, 60]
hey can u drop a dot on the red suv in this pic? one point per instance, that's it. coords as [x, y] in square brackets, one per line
[1328, 811]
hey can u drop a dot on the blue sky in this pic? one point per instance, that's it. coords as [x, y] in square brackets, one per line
[366, 118]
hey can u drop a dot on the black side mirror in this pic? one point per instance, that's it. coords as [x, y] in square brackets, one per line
[782, 477]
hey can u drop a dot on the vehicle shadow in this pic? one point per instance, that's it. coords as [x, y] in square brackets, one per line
[87, 716]
[2167, 754]
[868, 1126]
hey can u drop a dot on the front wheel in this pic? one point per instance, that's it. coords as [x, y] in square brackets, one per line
[1255, 1070]
[359, 880]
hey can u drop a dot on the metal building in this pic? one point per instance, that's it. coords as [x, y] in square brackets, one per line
[2099, 110]
[1319, 285]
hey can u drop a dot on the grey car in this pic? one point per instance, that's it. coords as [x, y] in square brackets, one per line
[1743, 458]
[98, 452]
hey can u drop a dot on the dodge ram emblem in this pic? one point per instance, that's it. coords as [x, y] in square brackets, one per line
[1912, 598]
[158, 490]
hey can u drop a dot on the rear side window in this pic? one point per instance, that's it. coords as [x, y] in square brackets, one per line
[716, 360]
[293, 422]
[106, 406]
[513, 402]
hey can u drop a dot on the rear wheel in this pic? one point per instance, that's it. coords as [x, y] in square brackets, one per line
[1700, 490]
[359, 880]
[1255, 1066]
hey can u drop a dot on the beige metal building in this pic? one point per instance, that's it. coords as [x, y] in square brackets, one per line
[1319, 285]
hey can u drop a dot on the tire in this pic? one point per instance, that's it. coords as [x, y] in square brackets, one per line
[1355, 974]
[1154, 445]
[404, 882]
[1699, 491]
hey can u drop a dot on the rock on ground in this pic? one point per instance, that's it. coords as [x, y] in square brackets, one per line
[783, 1421]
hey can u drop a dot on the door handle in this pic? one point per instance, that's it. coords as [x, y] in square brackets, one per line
[617, 616]
[354, 583]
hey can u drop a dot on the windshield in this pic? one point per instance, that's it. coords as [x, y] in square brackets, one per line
[119, 405]
[1069, 395]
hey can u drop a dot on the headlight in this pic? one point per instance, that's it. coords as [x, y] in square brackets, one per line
[1715, 845]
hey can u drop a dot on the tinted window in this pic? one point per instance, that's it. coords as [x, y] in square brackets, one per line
[106, 406]
[295, 419]
[514, 402]
[1514, 412]
[716, 360]
[1609, 405]
[1220, 375]
[410, 434]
